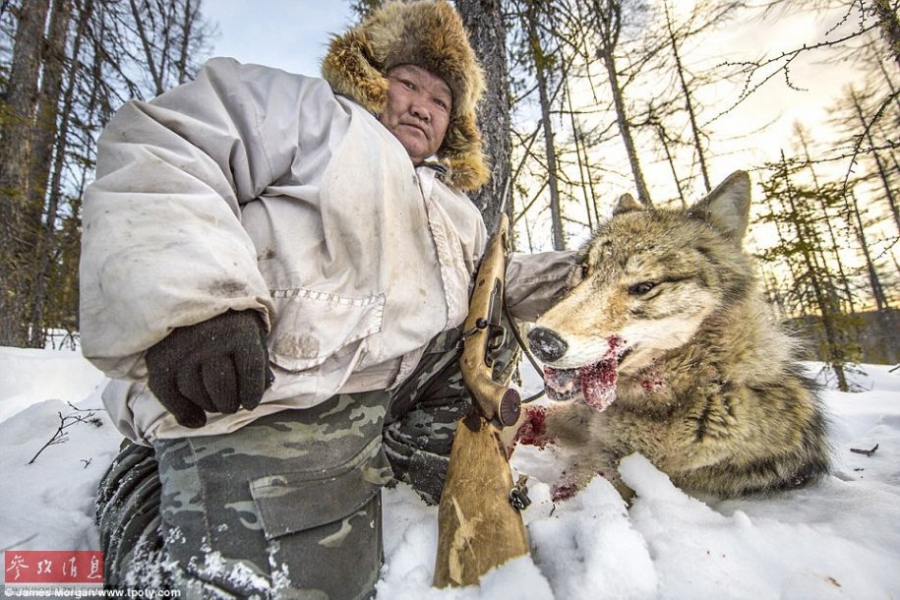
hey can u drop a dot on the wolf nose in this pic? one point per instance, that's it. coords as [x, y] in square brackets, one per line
[546, 345]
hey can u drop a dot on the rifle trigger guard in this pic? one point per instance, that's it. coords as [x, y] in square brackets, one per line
[496, 337]
[518, 496]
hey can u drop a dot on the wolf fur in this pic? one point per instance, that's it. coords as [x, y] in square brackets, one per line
[709, 388]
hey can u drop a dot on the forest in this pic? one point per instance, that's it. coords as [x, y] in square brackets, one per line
[586, 100]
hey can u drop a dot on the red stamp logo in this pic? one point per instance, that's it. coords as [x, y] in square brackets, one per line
[52, 566]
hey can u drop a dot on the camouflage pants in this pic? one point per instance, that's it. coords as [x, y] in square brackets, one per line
[289, 506]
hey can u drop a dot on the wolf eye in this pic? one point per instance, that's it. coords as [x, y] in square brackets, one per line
[585, 271]
[639, 289]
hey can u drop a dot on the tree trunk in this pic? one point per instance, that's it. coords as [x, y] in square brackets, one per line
[824, 298]
[670, 160]
[822, 196]
[484, 21]
[608, 19]
[882, 172]
[881, 301]
[156, 72]
[584, 172]
[539, 59]
[688, 102]
[45, 138]
[886, 11]
[191, 11]
[16, 231]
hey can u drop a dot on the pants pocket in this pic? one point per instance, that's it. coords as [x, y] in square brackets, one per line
[324, 528]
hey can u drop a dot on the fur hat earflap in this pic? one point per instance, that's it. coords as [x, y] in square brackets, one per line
[429, 34]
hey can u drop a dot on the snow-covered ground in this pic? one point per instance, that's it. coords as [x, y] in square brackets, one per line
[837, 539]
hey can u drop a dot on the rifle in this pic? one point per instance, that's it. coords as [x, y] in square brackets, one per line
[478, 526]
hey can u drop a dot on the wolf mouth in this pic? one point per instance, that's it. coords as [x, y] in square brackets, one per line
[595, 382]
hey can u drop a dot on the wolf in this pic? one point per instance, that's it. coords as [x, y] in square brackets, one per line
[666, 347]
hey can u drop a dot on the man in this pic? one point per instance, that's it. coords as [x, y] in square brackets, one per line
[274, 272]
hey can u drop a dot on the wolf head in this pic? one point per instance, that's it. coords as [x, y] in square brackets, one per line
[651, 278]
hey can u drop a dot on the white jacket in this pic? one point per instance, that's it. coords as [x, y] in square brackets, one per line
[252, 188]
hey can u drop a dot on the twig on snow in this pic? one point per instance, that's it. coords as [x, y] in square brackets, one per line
[866, 452]
[61, 436]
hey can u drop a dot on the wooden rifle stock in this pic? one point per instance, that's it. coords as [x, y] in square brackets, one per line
[478, 528]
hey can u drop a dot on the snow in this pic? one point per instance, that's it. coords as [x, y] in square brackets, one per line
[837, 539]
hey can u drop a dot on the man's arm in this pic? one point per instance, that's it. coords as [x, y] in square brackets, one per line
[534, 282]
[163, 246]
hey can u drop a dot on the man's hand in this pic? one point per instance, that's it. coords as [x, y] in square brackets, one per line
[218, 365]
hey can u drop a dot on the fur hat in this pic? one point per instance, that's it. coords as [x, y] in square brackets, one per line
[429, 34]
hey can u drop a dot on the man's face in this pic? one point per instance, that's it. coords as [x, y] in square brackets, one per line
[417, 110]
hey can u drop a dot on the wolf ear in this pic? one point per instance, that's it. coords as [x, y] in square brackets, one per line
[626, 203]
[728, 206]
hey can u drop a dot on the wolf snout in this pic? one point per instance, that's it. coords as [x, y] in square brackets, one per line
[546, 345]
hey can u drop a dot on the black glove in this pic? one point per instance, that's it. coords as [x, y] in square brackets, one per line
[218, 365]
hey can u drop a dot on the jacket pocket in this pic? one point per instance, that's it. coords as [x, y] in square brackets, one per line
[312, 325]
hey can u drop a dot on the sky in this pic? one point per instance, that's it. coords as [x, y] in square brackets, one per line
[289, 34]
